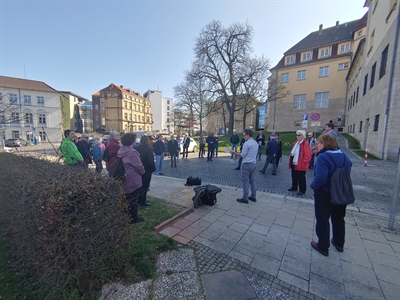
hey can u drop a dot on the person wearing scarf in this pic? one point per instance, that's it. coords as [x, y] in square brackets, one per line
[299, 162]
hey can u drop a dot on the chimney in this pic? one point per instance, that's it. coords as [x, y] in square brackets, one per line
[320, 28]
[121, 86]
[337, 23]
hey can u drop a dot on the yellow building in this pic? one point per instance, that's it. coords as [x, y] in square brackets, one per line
[116, 108]
[314, 72]
[373, 89]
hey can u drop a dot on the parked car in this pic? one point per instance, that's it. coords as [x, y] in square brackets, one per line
[192, 146]
[16, 143]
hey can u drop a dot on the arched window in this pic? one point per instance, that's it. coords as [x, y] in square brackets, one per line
[28, 117]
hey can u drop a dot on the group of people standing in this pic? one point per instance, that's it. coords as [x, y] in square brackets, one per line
[212, 142]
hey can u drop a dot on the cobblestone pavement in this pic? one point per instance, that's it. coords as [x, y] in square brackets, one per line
[373, 185]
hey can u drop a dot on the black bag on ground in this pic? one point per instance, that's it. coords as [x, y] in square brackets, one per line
[341, 187]
[205, 194]
[193, 181]
[119, 172]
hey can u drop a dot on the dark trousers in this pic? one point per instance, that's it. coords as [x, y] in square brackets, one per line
[210, 152]
[99, 166]
[173, 159]
[299, 179]
[312, 161]
[132, 200]
[260, 147]
[216, 149]
[270, 159]
[146, 178]
[324, 210]
[240, 162]
[185, 151]
[201, 151]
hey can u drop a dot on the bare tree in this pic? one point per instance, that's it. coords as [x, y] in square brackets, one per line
[195, 95]
[224, 56]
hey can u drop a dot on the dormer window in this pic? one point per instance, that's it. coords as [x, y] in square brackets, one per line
[306, 56]
[290, 60]
[345, 48]
[324, 52]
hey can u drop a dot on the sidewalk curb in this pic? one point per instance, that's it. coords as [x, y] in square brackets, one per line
[173, 219]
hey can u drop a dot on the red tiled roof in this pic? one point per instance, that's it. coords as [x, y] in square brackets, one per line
[25, 84]
[125, 90]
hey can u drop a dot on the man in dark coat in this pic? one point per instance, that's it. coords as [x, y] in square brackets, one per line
[210, 146]
[84, 149]
[260, 139]
[185, 143]
[173, 150]
[271, 151]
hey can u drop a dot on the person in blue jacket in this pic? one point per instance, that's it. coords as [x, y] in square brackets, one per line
[329, 156]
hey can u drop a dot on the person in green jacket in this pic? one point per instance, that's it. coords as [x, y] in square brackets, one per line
[68, 148]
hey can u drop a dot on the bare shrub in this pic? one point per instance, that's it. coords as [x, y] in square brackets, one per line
[68, 226]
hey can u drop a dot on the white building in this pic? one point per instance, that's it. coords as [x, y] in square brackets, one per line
[29, 108]
[162, 109]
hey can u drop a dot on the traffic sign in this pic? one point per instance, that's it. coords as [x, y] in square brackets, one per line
[315, 116]
[315, 123]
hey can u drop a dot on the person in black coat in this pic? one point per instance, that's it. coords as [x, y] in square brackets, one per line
[210, 146]
[84, 149]
[173, 150]
[185, 143]
[260, 139]
[279, 155]
[147, 158]
[271, 152]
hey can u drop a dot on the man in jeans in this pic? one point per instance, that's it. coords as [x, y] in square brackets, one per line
[249, 155]
[159, 150]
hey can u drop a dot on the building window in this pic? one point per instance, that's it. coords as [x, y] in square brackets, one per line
[324, 53]
[147, 119]
[147, 110]
[301, 75]
[40, 100]
[42, 118]
[1, 97]
[126, 116]
[321, 100]
[126, 104]
[167, 107]
[130, 117]
[365, 84]
[384, 57]
[372, 82]
[299, 101]
[351, 102]
[357, 94]
[285, 77]
[28, 117]
[168, 113]
[167, 101]
[130, 105]
[134, 127]
[376, 123]
[12, 98]
[354, 126]
[345, 48]
[306, 56]
[27, 100]
[323, 71]
[103, 108]
[42, 135]
[134, 118]
[143, 119]
[96, 107]
[343, 66]
[15, 134]
[359, 33]
[360, 130]
[134, 107]
[96, 118]
[290, 60]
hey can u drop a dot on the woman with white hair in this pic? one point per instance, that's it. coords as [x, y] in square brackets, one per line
[299, 162]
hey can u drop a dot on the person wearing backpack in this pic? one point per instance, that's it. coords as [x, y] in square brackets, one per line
[329, 158]
[134, 169]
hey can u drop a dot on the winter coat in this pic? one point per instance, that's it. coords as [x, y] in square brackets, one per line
[133, 169]
[173, 147]
[159, 148]
[70, 152]
[96, 154]
[260, 139]
[325, 165]
[303, 163]
[272, 148]
[147, 158]
[112, 149]
[84, 149]
[234, 139]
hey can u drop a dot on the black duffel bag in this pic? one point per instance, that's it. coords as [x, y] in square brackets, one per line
[193, 181]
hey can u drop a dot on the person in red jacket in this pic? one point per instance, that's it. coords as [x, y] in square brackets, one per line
[299, 162]
[112, 149]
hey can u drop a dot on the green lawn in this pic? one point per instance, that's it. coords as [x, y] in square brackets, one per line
[361, 153]
[353, 142]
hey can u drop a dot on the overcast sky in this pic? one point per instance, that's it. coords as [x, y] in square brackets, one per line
[83, 46]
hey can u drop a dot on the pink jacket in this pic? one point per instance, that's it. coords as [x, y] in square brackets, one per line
[133, 169]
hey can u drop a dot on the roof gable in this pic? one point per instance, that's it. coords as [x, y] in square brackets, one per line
[324, 37]
[25, 84]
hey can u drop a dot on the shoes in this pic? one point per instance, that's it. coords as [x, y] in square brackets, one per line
[161, 173]
[237, 168]
[300, 193]
[175, 166]
[292, 189]
[340, 249]
[261, 171]
[242, 200]
[252, 199]
[273, 173]
[146, 203]
[315, 246]
[137, 220]
[157, 173]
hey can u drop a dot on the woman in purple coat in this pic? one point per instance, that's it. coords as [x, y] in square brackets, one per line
[133, 174]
